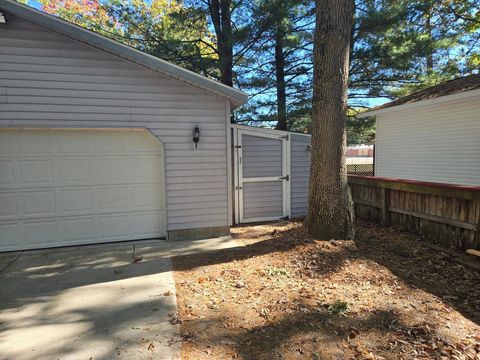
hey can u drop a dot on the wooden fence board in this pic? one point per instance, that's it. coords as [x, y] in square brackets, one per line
[444, 213]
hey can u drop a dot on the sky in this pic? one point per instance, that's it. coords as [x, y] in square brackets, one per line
[369, 102]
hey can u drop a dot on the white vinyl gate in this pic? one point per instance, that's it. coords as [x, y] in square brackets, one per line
[262, 175]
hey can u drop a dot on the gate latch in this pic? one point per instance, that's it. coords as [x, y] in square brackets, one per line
[286, 177]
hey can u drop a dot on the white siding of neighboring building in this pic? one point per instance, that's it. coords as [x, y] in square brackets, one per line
[438, 142]
[48, 80]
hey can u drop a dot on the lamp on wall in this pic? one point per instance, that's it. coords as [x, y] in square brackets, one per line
[196, 136]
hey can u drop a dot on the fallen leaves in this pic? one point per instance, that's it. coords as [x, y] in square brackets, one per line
[338, 308]
[174, 319]
[383, 296]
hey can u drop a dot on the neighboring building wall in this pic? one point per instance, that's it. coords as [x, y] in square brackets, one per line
[48, 80]
[300, 172]
[439, 143]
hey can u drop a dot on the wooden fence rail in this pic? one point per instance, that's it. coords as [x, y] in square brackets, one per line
[449, 214]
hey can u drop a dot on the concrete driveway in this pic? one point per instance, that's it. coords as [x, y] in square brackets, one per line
[92, 302]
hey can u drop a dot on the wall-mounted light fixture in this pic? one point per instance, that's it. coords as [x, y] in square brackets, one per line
[196, 136]
[309, 147]
[3, 21]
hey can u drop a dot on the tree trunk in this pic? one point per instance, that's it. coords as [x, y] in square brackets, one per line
[227, 53]
[280, 81]
[330, 207]
[429, 48]
[220, 12]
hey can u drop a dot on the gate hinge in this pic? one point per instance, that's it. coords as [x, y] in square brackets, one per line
[286, 137]
[286, 177]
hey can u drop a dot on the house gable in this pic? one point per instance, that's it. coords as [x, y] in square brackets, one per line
[52, 81]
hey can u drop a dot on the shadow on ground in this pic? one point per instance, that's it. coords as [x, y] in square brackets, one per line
[90, 302]
[405, 256]
[321, 336]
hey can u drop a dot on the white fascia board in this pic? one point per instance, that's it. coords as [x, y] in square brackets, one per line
[267, 130]
[422, 103]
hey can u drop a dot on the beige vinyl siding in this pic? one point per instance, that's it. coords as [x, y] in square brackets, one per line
[300, 174]
[48, 80]
[439, 142]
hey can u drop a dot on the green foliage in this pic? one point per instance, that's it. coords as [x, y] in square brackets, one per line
[404, 46]
[275, 271]
[338, 308]
[164, 28]
[360, 131]
[167, 29]
[293, 21]
[398, 47]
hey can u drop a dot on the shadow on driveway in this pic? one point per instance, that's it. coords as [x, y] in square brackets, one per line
[89, 302]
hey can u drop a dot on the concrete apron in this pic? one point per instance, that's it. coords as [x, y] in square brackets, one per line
[93, 302]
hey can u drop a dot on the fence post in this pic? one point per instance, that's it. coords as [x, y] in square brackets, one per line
[373, 167]
[385, 203]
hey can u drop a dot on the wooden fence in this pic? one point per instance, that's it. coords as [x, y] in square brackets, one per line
[444, 213]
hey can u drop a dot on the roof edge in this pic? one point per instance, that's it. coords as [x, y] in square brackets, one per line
[267, 130]
[101, 42]
[438, 100]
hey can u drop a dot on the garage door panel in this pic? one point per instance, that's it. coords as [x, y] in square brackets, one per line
[73, 143]
[113, 227]
[145, 168]
[113, 143]
[6, 143]
[38, 202]
[78, 229]
[9, 205]
[10, 235]
[144, 225]
[73, 170]
[109, 170]
[111, 199]
[145, 197]
[34, 142]
[68, 187]
[137, 145]
[7, 174]
[76, 200]
[36, 172]
[39, 232]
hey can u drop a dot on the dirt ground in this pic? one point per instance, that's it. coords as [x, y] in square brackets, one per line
[282, 295]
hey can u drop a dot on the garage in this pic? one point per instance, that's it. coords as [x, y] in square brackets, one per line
[63, 187]
[100, 142]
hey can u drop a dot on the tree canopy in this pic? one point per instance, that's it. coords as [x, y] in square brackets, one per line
[265, 48]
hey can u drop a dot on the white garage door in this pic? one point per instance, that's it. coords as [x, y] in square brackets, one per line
[70, 187]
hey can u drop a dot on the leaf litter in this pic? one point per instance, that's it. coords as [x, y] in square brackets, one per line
[283, 295]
